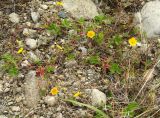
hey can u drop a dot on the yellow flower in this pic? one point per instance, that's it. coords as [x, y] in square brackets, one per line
[58, 46]
[77, 94]
[91, 34]
[20, 50]
[54, 91]
[59, 3]
[132, 41]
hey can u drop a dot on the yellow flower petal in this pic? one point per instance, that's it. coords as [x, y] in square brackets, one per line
[59, 47]
[132, 41]
[20, 50]
[77, 94]
[54, 91]
[59, 3]
[91, 34]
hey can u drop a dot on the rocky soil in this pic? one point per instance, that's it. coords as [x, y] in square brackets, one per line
[44, 45]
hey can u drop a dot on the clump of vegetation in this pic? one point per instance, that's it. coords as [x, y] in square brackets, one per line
[10, 65]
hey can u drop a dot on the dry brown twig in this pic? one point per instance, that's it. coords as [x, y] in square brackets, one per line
[148, 76]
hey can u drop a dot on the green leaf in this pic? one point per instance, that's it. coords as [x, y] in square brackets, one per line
[100, 113]
[81, 21]
[13, 71]
[117, 39]
[100, 18]
[66, 23]
[115, 68]
[54, 28]
[130, 108]
[70, 56]
[8, 58]
[10, 65]
[99, 39]
[95, 60]
[50, 69]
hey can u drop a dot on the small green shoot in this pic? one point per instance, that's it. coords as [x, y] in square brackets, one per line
[100, 18]
[114, 68]
[95, 60]
[81, 21]
[50, 69]
[66, 23]
[10, 65]
[129, 110]
[70, 56]
[54, 28]
[99, 39]
[117, 39]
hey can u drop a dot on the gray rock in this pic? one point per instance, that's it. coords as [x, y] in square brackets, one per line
[10, 103]
[71, 63]
[31, 89]
[32, 43]
[33, 57]
[19, 99]
[3, 116]
[15, 108]
[50, 100]
[14, 18]
[35, 16]
[29, 32]
[98, 98]
[81, 8]
[6, 90]
[149, 18]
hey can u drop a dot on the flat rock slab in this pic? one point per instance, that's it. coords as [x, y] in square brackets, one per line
[149, 17]
[81, 8]
[31, 89]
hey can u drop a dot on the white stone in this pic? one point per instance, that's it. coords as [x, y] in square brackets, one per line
[28, 24]
[81, 8]
[149, 19]
[43, 6]
[32, 43]
[59, 115]
[50, 100]
[29, 32]
[98, 98]
[84, 50]
[159, 41]
[25, 63]
[15, 108]
[35, 16]
[13, 17]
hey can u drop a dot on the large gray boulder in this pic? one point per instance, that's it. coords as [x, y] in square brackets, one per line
[149, 19]
[81, 8]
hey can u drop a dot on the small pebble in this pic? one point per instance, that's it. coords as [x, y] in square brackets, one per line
[14, 18]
